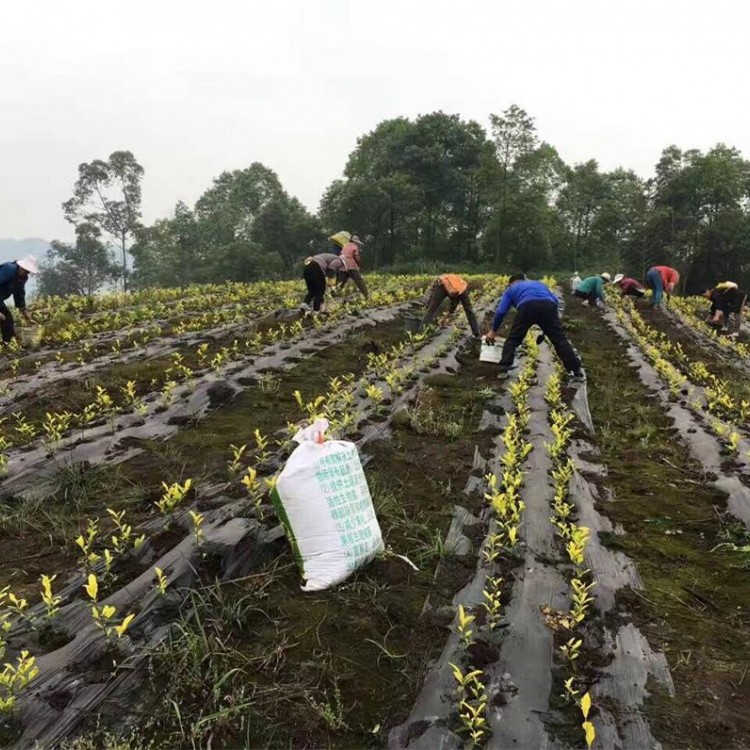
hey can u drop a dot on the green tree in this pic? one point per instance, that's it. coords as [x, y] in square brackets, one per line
[171, 252]
[523, 228]
[243, 228]
[515, 138]
[579, 203]
[415, 189]
[617, 228]
[82, 268]
[107, 195]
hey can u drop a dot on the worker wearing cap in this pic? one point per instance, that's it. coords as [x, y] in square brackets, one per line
[628, 287]
[350, 255]
[591, 289]
[13, 278]
[661, 280]
[456, 289]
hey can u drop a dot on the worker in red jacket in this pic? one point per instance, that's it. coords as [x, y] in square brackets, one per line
[661, 280]
[350, 254]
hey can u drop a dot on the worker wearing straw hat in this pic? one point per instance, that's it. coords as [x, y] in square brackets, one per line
[628, 287]
[352, 258]
[13, 278]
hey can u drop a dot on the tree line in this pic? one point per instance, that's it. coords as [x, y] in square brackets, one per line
[434, 191]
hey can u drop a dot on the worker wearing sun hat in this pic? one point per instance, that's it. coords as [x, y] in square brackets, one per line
[628, 287]
[350, 254]
[13, 278]
[591, 289]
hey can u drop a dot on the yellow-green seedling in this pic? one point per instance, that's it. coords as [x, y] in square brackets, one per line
[572, 650]
[161, 581]
[173, 496]
[197, 519]
[313, 409]
[492, 594]
[167, 392]
[473, 719]
[580, 598]
[14, 678]
[576, 548]
[733, 442]
[50, 601]
[261, 443]
[588, 727]
[570, 692]
[463, 627]
[105, 616]
[467, 684]
[86, 543]
[235, 464]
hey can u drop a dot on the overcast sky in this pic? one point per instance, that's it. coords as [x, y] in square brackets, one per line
[199, 86]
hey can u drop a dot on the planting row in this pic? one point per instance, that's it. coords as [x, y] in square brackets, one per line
[203, 528]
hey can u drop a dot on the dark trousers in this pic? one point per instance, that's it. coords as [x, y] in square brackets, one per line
[542, 313]
[590, 296]
[316, 285]
[436, 296]
[7, 327]
[356, 276]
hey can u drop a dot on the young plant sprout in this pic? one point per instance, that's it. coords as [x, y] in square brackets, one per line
[463, 628]
[572, 650]
[492, 594]
[86, 543]
[50, 601]
[161, 581]
[197, 519]
[14, 678]
[105, 615]
[236, 463]
[173, 496]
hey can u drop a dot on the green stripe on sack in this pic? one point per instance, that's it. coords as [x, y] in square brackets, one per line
[278, 504]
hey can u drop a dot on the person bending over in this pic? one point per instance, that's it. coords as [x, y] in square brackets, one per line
[628, 287]
[661, 280]
[456, 289]
[591, 289]
[536, 305]
[13, 278]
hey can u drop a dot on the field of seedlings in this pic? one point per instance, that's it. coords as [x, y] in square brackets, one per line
[566, 565]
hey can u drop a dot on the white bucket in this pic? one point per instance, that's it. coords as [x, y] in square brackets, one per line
[491, 352]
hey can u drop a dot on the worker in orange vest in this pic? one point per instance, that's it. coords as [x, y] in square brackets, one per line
[456, 289]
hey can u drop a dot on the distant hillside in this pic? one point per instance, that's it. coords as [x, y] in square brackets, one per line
[13, 249]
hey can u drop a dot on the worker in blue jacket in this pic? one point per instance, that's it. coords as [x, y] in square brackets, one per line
[536, 305]
[13, 278]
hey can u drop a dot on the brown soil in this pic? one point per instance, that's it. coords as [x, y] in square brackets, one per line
[695, 606]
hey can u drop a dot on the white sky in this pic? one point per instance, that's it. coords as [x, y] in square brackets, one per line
[199, 86]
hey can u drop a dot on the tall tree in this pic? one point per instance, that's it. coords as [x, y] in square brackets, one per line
[107, 194]
[579, 202]
[82, 268]
[243, 228]
[514, 134]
